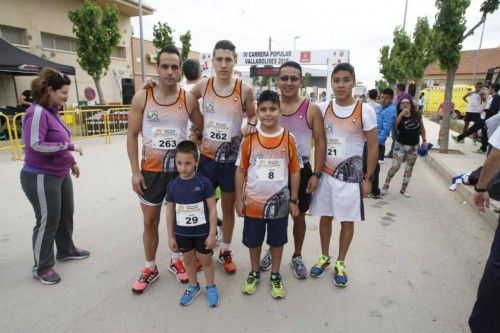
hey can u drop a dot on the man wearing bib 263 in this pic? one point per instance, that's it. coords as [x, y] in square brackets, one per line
[161, 115]
[349, 123]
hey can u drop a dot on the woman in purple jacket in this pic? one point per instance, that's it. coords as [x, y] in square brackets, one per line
[45, 176]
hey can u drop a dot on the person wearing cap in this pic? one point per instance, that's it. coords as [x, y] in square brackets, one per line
[410, 127]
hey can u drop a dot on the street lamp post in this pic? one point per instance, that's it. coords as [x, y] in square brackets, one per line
[295, 41]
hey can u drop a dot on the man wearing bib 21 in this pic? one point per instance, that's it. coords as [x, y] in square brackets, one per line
[266, 161]
[305, 121]
[225, 101]
[192, 221]
[349, 123]
[161, 114]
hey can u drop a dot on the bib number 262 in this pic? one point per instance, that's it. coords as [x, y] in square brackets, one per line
[218, 136]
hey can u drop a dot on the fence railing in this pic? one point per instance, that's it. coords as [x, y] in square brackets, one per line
[81, 124]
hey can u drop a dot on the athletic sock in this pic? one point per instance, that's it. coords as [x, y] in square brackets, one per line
[150, 265]
[175, 256]
[296, 255]
[225, 247]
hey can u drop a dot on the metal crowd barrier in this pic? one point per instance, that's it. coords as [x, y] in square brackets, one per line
[5, 121]
[81, 124]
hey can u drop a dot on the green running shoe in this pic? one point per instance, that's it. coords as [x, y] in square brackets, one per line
[340, 277]
[277, 287]
[250, 284]
[323, 264]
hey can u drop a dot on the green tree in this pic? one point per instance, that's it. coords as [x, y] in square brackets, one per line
[393, 60]
[381, 84]
[306, 81]
[162, 35]
[422, 53]
[186, 45]
[97, 34]
[449, 33]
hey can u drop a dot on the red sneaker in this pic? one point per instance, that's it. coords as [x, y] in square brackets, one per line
[177, 268]
[198, 266]
[226, 259]
[147, 277]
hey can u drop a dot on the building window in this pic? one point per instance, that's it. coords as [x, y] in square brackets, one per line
[56, 42]
[119, 52]
[14, 35]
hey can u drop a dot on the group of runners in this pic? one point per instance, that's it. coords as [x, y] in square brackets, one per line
[265, 170]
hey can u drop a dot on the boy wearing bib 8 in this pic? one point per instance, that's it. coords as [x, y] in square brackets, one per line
[192, 221]
[266, 161]
[160, 114]
[349, 125]
[226, 100]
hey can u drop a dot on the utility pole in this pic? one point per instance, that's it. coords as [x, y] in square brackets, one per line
[143, 71]
[404, 20]
[269, 43]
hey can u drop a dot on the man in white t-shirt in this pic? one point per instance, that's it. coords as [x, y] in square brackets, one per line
[473, 100]
[349, 124]
[485, 315]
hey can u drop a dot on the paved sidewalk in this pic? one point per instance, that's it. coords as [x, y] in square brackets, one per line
[461, 160]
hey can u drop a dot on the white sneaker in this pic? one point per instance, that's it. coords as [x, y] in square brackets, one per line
[381, 161]
[405, 194]
[383, 192]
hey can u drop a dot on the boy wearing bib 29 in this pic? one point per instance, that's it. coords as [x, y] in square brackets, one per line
[192, 221]
[267, 163]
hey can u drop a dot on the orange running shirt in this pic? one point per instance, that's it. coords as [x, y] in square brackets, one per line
[345, 140]
[223, 117]
[163, 127]
[268, 160]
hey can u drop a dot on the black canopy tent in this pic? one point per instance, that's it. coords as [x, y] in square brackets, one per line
[17, 62]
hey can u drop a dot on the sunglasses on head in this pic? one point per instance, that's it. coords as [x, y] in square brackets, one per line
[292, 78]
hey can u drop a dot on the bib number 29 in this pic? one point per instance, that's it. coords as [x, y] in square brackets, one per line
[191, 220]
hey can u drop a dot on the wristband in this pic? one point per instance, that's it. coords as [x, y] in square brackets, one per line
[480, 190]
[294, 201]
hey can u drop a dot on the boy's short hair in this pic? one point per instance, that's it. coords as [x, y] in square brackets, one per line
[191, 69]
[187, 147]
[269, 95]
[401, 86]
[344, 66]
[388, 91]
[373, 93]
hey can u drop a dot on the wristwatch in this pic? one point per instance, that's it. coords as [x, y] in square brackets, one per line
[318, 174]
[294, 201]
[480, 190]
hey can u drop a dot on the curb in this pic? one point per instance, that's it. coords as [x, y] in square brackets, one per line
[464, 191]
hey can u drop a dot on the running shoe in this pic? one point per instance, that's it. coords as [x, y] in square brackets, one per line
[197, 264]
[479, 151]
[277, 287]
[226, 259]
[299, 269]
[177, 268]
[212, 296]
[77, 254]
[190, 294]
[340, 277]
[455, 138]
[383, 192]
[405, 194]
[266, 262]
[251, 283]
[147, 277]
[47, 276]
[323, 264]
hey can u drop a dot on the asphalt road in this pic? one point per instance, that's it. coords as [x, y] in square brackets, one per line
[414, 265]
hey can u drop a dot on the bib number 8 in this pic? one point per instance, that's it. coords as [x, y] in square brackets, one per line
[218, 136]
[271, 175]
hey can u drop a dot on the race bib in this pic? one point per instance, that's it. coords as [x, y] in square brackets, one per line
[165, 138]
[335, 147]
[270, 169]
[218, 131]
[190, 215]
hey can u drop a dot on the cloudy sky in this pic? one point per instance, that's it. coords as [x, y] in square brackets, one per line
[362, 26]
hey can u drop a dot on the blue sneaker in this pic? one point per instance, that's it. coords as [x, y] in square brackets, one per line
[323, 264]
[190, 293]
[212, 296]
[340, 277]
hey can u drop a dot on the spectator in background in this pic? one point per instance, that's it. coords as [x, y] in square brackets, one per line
[421, 102]
[400, 94]
[323, 96]
[25, 99]
[372, 98]
[473, 100]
